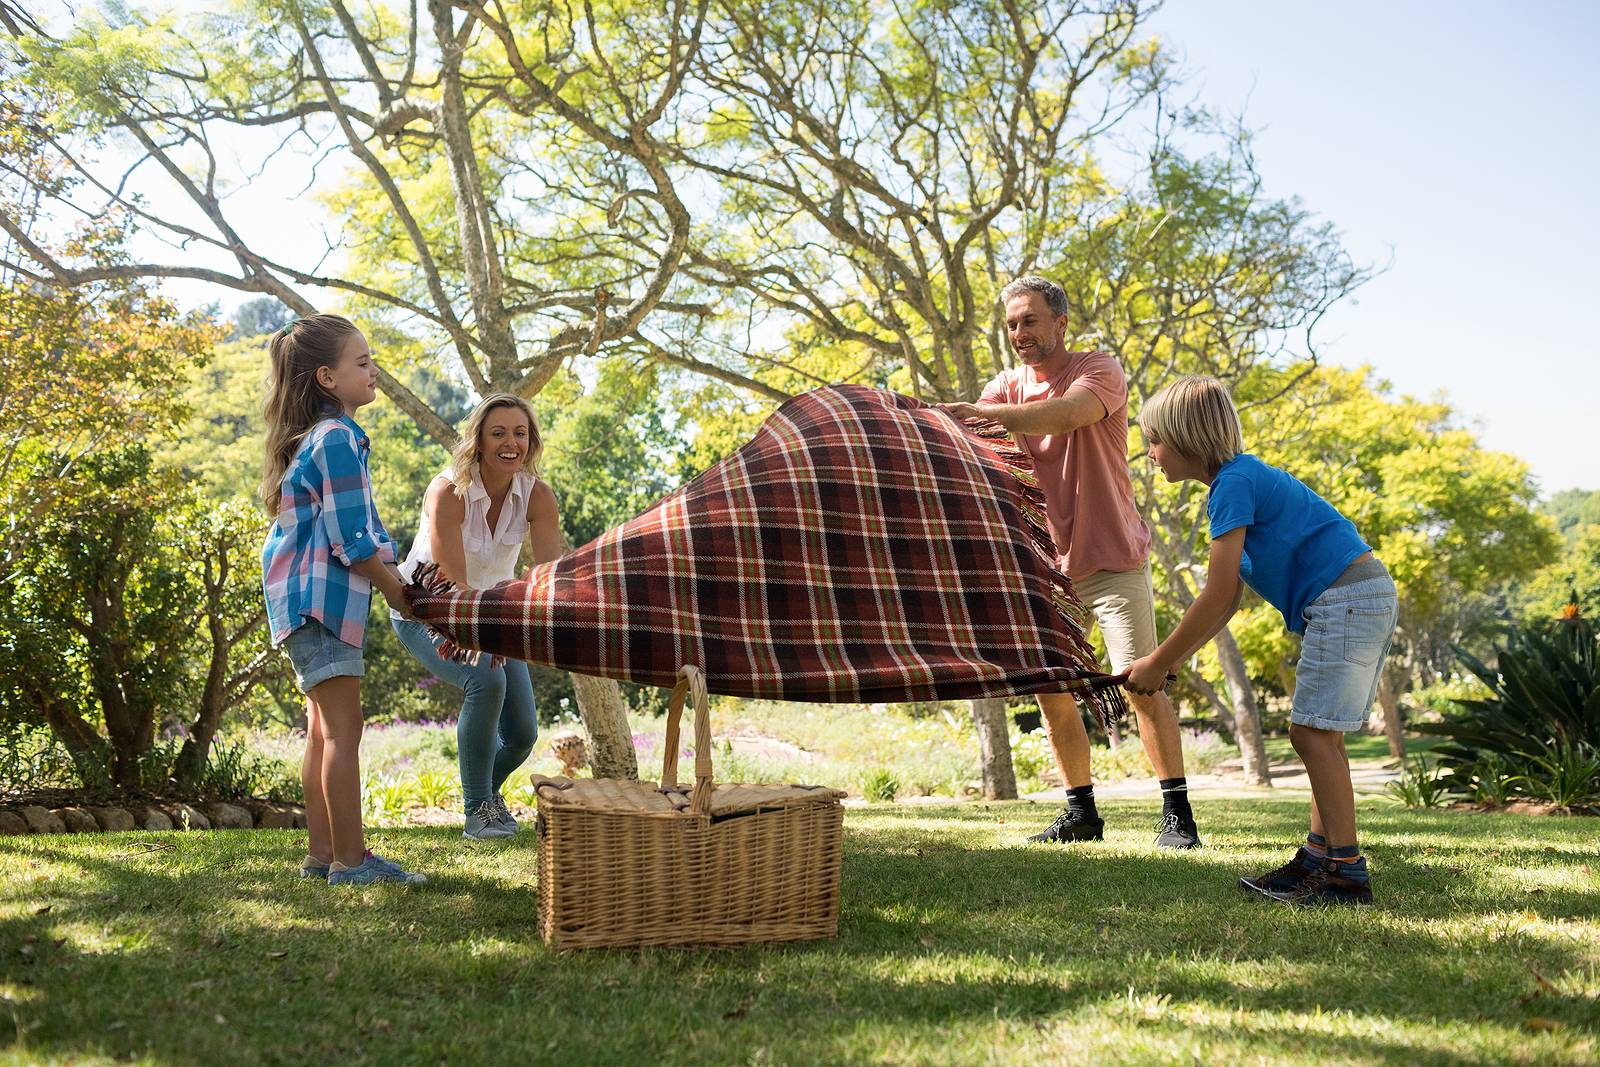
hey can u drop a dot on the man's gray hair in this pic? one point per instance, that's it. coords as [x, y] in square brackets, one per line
[1053, 294]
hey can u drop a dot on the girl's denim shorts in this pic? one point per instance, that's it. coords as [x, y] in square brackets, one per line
[318, 655]
[1348, 630]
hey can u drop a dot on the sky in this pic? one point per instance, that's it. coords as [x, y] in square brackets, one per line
[1452, 144]
[1457, 144]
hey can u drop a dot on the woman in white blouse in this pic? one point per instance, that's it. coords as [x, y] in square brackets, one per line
[475, 518]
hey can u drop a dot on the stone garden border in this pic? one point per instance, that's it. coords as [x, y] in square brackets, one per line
[151, 815]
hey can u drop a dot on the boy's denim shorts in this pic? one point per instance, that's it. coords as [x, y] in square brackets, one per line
[1348, 630]
[318, 655]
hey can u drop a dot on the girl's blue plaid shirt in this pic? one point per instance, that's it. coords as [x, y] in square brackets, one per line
[326, 522]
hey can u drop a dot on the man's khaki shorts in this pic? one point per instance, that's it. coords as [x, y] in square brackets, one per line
[1124, 604]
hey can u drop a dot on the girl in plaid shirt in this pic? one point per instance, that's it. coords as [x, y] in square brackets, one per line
[326, 551]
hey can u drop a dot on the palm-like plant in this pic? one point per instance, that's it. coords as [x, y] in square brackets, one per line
[1542, 717]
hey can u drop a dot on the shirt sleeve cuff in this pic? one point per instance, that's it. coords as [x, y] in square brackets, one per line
[358, 547]
[1226, 526]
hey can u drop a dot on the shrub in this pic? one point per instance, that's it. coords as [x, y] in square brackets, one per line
[131, 608]
[1491, 781]
[880, 784]
[437, 789]
[1567, 776]
[1031, 759]
[1443, 698]
[1421, 785]
[1540, 722]
[31, 758]
[384, 798]
[233, 770]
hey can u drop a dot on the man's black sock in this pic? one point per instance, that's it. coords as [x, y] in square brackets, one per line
[1081, 800]
[1175, 798]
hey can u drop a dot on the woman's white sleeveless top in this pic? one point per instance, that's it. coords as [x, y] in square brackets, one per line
[491, 554]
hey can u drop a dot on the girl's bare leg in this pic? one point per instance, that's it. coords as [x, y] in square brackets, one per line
[338, 703]
[319, 832]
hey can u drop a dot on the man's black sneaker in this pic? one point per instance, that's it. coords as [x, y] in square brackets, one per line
[1284, 878]
[1073, 826]
[1326, 885]
[1177, 832]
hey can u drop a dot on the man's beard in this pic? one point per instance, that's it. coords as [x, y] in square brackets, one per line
[1040, 351]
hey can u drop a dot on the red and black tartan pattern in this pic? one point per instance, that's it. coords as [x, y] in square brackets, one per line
[861, 547]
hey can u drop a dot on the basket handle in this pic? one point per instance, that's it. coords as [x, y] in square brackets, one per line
[692, 681]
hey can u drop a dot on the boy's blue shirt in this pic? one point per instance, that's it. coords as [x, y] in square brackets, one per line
[1295, 542]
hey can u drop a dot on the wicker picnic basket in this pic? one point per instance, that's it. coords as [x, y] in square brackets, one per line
[625, 863]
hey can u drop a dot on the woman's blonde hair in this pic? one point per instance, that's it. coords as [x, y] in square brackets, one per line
[468, 450]
[296, 401]
[1194, 416]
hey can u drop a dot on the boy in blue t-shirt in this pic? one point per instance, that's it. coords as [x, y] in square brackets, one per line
[1306, 560]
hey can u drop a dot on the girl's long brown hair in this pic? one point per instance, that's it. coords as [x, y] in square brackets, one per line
[296, 401]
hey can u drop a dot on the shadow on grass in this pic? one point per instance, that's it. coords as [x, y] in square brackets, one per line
[215, 952]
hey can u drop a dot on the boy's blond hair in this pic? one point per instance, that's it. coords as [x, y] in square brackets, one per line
[1194, 416]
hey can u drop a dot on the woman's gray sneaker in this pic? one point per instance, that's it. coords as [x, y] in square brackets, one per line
[483, 824]
[504, 812]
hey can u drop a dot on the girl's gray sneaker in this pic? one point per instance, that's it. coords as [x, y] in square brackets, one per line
[506, 818]
[483, 824]
[374, 869]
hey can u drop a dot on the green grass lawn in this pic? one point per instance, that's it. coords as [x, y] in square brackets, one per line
[958, 944]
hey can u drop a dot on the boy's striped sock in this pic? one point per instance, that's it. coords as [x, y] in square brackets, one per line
[1316, 846]
[1351, 864]
[1081, 800]
[1175, 798]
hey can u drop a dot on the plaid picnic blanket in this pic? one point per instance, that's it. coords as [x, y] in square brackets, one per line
[861, 547]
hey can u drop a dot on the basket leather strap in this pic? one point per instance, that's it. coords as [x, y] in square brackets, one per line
[692, 682]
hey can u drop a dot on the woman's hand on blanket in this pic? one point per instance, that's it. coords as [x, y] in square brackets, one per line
[960, 410]
[1146, 676]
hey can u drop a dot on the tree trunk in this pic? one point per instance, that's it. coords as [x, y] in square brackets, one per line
[70, 728]
[1246, 720]
[191, 761]
[1224, 712]
[994, 749]
[611, 753]
[1389, 701]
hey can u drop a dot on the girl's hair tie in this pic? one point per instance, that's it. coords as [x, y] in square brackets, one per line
[290, 324]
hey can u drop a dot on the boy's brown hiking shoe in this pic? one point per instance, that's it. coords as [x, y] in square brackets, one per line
[1327, 885]
[1282, 879]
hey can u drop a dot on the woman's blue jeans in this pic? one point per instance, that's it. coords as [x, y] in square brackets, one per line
[496, 728]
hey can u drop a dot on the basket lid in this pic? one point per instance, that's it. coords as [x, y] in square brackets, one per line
[624, 796]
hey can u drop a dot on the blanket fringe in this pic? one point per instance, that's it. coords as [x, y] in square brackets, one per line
[429, 580]
[1100, 691]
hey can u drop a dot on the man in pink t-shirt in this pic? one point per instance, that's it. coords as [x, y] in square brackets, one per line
[1070, 411]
